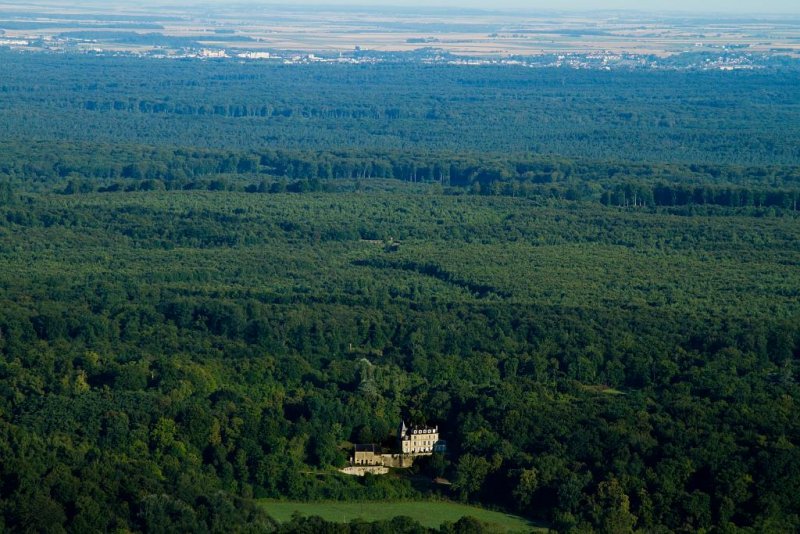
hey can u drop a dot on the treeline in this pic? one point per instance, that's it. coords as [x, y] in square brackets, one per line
[684, 195]
[398, 525]
[133, 168]
[52, 161]
[240, 110]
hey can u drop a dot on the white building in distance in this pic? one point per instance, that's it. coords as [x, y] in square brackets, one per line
[419, 440]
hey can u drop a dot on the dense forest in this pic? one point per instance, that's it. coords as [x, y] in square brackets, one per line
[199, 309]
[742, 117]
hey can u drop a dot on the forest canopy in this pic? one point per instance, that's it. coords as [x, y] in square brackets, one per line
[216, 278]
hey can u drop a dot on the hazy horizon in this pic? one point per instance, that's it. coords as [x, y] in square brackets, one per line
[748, 6]
[751, 7]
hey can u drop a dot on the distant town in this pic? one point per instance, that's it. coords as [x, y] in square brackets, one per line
[294, 35]
[726, 59]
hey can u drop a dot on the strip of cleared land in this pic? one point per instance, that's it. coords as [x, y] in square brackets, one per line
[427, 513]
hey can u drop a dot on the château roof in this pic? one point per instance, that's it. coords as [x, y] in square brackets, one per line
[414, 429]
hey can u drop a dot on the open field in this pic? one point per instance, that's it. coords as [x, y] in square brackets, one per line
[427, 513]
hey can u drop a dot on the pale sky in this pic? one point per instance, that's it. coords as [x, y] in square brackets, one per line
[733, 7]
[699, 6]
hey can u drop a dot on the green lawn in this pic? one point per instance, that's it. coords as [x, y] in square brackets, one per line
[427, 513]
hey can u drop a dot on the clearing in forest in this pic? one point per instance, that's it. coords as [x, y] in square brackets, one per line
[428, 513]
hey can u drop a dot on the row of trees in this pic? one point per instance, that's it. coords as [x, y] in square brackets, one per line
[631, 194]
[53, 162]
[613, 184]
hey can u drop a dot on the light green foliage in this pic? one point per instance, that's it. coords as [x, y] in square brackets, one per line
[431, 514]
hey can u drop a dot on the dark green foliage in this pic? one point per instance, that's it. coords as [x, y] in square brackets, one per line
[398, 525]
[740, 117]
[607, 341]
[197, 344]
